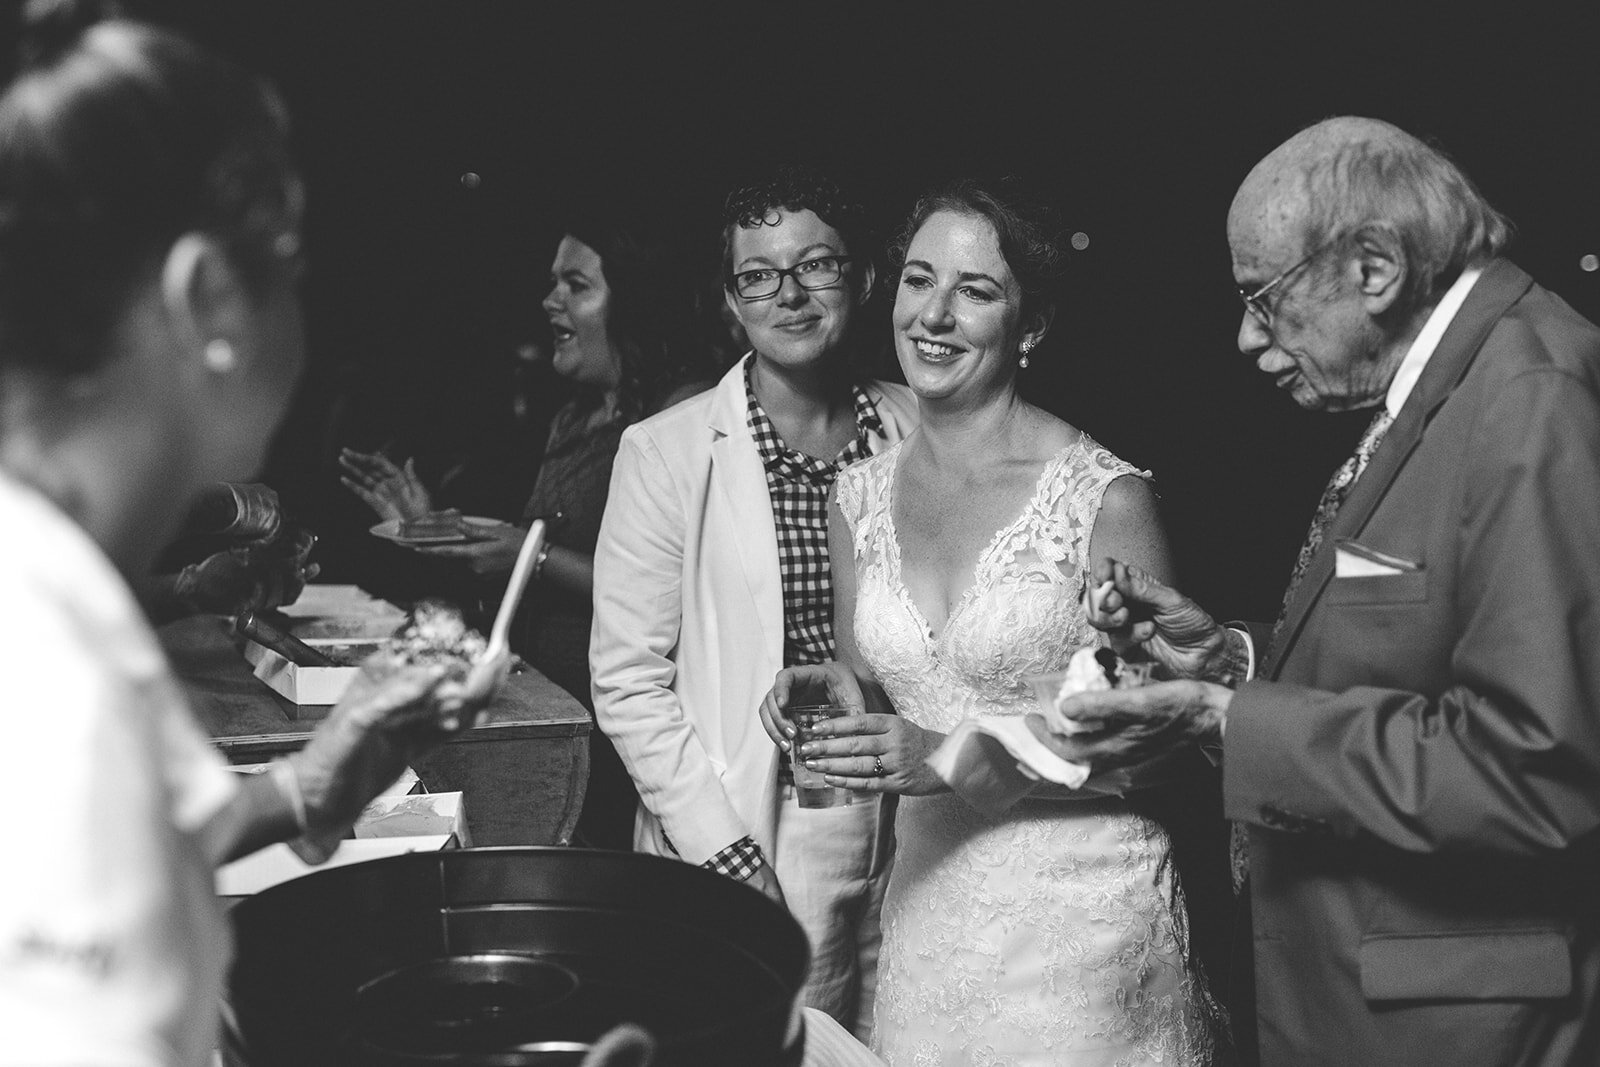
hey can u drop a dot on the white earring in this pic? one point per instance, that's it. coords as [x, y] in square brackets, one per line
[1027, 346]
[219, 357]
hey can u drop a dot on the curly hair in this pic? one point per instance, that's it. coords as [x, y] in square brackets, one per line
[793, 187]
[1028, 227]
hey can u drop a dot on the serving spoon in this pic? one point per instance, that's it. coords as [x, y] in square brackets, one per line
[495, 659]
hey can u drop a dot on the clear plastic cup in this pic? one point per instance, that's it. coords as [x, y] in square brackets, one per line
[811, 791]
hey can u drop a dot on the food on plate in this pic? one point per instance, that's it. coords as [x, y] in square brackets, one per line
[436, 634]
[434, 524]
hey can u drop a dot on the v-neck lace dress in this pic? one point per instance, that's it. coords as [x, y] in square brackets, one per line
[1052, 934]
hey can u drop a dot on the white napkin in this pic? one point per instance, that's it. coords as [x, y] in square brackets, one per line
[992, 763]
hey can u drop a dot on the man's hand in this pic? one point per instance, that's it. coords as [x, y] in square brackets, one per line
[1174, 631]
[1114, 728]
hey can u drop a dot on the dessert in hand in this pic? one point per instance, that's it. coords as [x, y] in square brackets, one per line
[1090, 670]
[436, 634]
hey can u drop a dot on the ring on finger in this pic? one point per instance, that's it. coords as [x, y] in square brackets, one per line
[877, 767]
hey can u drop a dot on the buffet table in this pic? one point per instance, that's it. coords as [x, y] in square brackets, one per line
[522, 770]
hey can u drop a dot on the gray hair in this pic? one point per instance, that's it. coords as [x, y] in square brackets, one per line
[1392, 179]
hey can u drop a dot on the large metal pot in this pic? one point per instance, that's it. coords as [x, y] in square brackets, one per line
[513, 957]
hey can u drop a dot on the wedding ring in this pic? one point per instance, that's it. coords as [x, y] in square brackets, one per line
[877, 766]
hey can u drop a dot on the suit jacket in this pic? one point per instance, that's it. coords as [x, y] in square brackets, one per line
[1421, 770]
[688, 619]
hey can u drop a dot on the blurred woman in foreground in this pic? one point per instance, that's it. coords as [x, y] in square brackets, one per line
[150, 336]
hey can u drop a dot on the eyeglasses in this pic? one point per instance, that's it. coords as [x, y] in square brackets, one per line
[816, 273]
[1256, 302]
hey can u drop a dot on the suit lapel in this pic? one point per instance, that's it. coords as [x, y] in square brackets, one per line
[740, 480]
[1501, 286]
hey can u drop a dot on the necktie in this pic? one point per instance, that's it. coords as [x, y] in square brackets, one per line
[1333, 496]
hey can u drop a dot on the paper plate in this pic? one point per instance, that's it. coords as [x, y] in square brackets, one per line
[477, 530]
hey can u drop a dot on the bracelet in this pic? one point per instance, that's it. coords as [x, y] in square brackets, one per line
[288, 783]
[538, 561]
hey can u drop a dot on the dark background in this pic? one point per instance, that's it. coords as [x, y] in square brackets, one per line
[1143, 121]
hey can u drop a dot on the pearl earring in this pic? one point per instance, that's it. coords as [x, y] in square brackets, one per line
[1027, 346]
[219, 357]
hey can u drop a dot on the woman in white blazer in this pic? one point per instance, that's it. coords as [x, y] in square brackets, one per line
[689, 624]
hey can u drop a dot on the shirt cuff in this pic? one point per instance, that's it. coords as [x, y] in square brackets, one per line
[738, 861]
[1250, 654]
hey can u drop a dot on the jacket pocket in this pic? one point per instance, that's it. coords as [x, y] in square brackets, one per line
[1410, 587]
[1480, 965]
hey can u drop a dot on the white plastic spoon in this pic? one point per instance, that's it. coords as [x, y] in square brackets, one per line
[495, 657]
[499, 637]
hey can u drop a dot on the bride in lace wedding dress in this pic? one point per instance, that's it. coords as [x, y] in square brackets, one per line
[1053, 933]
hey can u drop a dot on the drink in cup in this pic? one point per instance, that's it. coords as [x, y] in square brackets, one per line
[810, 789]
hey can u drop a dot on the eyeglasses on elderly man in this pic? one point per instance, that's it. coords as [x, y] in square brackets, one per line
[1256, 302]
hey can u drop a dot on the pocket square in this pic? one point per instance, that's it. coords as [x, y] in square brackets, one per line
[1352, 559]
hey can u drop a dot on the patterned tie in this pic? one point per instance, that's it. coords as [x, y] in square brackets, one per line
[1332, 497]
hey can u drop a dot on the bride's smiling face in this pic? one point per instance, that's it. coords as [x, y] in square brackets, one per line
[958, 309]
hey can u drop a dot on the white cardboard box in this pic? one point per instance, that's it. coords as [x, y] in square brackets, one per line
[278, 863]
[396, 822]
[306, 686]
[416, 814]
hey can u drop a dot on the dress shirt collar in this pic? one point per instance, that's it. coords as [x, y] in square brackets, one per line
[1421, 350]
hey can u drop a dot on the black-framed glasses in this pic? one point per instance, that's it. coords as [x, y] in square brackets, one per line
[1256, 302]
[818, 273]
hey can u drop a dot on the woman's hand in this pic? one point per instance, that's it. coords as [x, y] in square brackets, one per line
[874, 754]
[766, 880]
[257, 577]
[392, 492]
[811, 683]
[494, 553]
[376, 729]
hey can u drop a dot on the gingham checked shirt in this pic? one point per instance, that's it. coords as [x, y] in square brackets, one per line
[799, 485]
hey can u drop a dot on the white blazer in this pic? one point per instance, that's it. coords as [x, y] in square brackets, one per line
[688, 619]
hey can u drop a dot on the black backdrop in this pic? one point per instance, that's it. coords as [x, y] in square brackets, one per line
[1144, 120]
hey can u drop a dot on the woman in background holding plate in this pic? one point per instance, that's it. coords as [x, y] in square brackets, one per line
[621, 306]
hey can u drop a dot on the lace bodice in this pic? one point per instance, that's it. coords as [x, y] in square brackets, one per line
[1021, 615]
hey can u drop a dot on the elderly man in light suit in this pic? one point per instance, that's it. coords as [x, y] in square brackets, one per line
[711, 574]
[1416, 751]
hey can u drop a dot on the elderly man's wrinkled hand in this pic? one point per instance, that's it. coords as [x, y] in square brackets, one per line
[1116, 728]
[1174, 631]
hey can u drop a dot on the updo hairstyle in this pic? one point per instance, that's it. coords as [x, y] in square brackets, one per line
[115, 139]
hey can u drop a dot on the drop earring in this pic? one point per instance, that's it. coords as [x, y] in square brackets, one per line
[219, 357]
[1027, 346]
